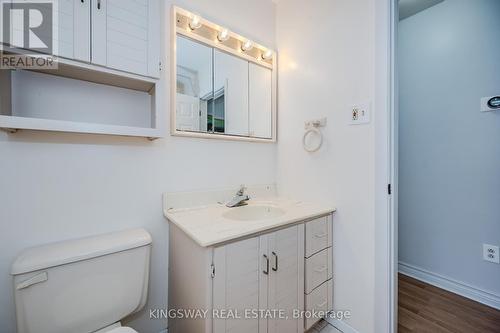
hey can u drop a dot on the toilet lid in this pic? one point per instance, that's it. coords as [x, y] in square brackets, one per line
[122, 330]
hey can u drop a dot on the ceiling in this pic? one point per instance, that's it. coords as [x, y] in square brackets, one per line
[408, 8]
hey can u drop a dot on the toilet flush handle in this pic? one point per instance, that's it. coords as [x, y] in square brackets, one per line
[39, 278]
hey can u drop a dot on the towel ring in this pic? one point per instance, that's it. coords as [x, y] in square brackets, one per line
[309, 131]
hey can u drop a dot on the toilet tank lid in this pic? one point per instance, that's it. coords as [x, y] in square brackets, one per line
[60, 253]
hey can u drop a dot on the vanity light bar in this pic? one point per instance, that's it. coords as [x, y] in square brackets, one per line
[196, 27]
[247, 46]
[268, 54]
[195, 22]
[223, 35]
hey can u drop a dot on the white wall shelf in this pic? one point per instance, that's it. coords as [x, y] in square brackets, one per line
[14, 117]
[12, 124]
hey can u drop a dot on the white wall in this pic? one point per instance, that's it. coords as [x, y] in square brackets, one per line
[326, 66]
[449, 151]
[61, 186]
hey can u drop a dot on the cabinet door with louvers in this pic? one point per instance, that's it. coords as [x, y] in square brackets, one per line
[286, 279]
[126, 35]
[70, 24]
[240, 285]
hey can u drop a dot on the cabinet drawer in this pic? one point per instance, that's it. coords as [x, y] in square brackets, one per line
[330, 294]
[317, 270]
[317, 300]
[317, 235]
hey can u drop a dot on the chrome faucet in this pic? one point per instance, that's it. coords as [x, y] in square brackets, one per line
[240, 198]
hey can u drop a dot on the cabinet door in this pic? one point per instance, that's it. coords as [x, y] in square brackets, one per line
[71, 28]
[238, 283]
[260, 101]
[286, 280]
[125, 35]
[231, 82]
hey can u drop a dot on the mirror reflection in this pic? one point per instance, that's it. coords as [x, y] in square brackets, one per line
[221, 93]
[194, 85]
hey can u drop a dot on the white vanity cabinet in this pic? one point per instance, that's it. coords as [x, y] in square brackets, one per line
[288, 269]
[318, 267]
[264, 272]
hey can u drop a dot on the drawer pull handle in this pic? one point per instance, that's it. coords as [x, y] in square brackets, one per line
[275, 268]
[321, 235]
[321, 269]
[266, 271]
[322, 304]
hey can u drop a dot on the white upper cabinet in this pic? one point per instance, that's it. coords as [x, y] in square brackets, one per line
[119, 34]
[71, 26]
[126, 35]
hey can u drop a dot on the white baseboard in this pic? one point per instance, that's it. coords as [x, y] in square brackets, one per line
[454, 286]
[340, 325]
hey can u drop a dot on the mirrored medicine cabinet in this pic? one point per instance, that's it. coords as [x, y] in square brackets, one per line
[225, 85]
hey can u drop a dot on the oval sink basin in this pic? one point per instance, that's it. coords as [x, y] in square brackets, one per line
[253, 213]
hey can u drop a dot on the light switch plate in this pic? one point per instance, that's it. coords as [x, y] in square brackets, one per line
[360, 114]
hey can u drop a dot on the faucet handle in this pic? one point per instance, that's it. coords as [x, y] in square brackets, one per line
[242, 189]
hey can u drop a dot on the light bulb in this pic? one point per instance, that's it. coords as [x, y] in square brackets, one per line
[195, 22]
[247, 46]
[223, 35]
[268, 54]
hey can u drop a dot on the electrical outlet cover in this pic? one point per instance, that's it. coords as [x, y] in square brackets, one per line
[360, 114]
[491, 253]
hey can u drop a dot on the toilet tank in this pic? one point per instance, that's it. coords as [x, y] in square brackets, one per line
[81, 285]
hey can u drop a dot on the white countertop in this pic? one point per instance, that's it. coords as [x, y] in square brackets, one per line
[207, 226]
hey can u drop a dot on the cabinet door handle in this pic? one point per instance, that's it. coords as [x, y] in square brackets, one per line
[98, 4]
[266, 271]
[275, 268]
[321, 235]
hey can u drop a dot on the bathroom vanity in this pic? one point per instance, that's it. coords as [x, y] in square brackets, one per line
[254, 268]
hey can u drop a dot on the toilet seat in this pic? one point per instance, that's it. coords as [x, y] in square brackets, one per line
[122, 329]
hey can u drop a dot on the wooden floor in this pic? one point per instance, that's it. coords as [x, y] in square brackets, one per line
[425, 308]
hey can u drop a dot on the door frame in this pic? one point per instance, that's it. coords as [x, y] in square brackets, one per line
[386, 165]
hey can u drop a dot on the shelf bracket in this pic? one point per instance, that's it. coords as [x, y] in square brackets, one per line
[10, 130]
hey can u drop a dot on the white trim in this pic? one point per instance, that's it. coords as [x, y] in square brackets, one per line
[452, 285]
[394, 162]
[341, 325]
[385, 217]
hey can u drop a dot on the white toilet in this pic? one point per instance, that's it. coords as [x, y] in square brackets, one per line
[84, 285]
